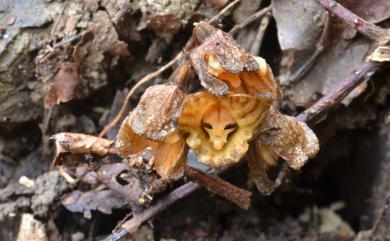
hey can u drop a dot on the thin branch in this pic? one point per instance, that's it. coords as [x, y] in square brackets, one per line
[323, 105]
[132, 225]
[213, 183]
[368, 29]
[250, 20]
[256, 45]
[306, 66]
[224, 10]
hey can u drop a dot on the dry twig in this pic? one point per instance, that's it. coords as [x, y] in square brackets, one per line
[368, 29]
[249, 20]
[220, 187]
[323, 105]
[255, 48]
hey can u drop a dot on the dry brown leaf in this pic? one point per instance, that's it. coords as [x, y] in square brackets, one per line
[64, 86]
[169, 154]
[165, 26]
[76, 143]
[218, 128]
[157, 111]
[289, 138]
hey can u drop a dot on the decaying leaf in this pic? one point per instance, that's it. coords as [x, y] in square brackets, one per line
[299, 23]
[333, 65]
[164, 25]
[64, 86]
[157, 111]
[218, 128]
[381, 54]
[76, 143]
[289, 138]
[219, 54]
[129, 184]
[169, 154]
[84, 202]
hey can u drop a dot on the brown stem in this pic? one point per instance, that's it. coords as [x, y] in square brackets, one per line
[132, 225]
[323, 105]
[249, 20]
[220, 187]
[368, 29]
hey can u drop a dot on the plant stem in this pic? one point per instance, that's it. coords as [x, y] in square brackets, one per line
[368, 29]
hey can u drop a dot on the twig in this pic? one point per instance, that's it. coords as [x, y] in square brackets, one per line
[255, 48]
[249, 20]
[54, 28]
[368, 29]
[132, 225]
[220, 187]
[223, 11]
[70, 39]
[151, 76]
[323, 105]
[302, 70]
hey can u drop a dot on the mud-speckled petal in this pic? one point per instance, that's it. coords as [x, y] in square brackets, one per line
[291, 139]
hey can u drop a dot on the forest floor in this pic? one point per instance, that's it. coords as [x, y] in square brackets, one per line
[67, 66]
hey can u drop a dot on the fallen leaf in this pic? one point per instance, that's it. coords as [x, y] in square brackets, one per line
[165, 26]
[125, 183]
[85, 202]
[331, 67]
[76, 143]
[64, 88]
[299, 23]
